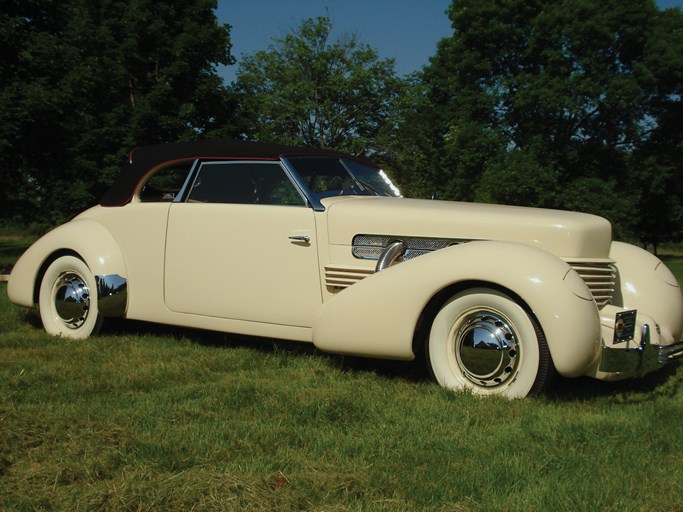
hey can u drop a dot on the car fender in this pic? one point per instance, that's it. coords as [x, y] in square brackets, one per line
[88, 239]
[378, 316]
[646, 284]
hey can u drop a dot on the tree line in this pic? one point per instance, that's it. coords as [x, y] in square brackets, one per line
[572, 104]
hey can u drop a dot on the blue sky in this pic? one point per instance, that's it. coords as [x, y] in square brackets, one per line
[405, 30]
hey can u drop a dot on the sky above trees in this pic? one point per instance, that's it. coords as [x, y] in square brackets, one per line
[404, 30]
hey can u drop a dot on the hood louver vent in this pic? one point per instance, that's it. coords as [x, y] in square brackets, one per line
[337, 276]
[600, 277]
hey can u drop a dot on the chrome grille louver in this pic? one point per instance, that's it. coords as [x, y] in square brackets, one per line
[600, 277]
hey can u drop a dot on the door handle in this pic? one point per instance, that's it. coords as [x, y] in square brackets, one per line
[300, 238]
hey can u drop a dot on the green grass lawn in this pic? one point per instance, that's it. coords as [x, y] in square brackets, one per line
[153, 418]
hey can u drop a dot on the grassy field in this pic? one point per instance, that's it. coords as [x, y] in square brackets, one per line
[151, 418]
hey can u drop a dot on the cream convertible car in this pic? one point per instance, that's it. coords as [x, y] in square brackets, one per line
[319, 247]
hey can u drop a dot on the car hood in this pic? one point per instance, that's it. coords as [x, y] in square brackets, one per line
[565, 234]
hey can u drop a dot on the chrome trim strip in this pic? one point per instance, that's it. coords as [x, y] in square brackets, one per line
[112, 294]
[301, 186]
[394, 251]
[668, 353]
[300, 238]
[186, 186]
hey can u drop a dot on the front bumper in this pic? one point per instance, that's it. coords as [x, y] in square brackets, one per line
[639, 360]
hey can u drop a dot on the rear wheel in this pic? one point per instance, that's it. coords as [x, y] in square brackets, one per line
[483, 341]
[68, 299]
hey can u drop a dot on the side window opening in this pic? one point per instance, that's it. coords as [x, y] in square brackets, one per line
[165, 184]
[244, 183]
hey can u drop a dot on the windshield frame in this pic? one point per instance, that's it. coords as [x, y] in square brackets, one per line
[355, 186]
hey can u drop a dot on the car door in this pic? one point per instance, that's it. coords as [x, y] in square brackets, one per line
[242, 246]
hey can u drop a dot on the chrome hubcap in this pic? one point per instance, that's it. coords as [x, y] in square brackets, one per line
[72, 299]
[486, 349]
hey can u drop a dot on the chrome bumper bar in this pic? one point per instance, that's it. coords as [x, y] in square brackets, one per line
[642, 359]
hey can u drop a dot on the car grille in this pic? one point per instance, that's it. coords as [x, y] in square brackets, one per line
[600, 277]
[370, 247]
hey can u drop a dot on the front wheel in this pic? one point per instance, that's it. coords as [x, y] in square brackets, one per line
[68, 299]
[483, 341]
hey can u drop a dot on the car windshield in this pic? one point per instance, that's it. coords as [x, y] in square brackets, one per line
[326, 176]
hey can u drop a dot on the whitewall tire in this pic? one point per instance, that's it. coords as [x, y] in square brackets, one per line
[68, 299]
[481, 340]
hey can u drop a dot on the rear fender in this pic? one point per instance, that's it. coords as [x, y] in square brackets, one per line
[86, 238]
[378, 316]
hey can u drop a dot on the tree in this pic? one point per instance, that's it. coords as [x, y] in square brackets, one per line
[545, 103]
[307, 90]
[85, 81]
[410, 148]
[656, 166]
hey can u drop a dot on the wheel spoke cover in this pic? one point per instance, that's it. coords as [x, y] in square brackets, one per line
[486, 348]
[71, 299]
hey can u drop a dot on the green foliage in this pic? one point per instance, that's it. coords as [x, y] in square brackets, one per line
[11, 247]
[565, 104]
[308, 90]
[148, 418]
[84, 82]
[517, 178]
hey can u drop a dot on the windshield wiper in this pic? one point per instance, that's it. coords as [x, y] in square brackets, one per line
[370, 187]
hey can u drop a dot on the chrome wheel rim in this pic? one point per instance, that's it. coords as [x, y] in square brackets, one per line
[486, 349]
[71, 299]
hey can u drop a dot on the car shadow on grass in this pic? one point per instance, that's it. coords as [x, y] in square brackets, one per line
[664, 382]
[413, 371]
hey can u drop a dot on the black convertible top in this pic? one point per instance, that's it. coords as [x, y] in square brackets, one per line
[146, 158]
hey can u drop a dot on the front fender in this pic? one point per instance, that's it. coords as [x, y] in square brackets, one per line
[646, 284]
[377, 317]
[86, 237]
